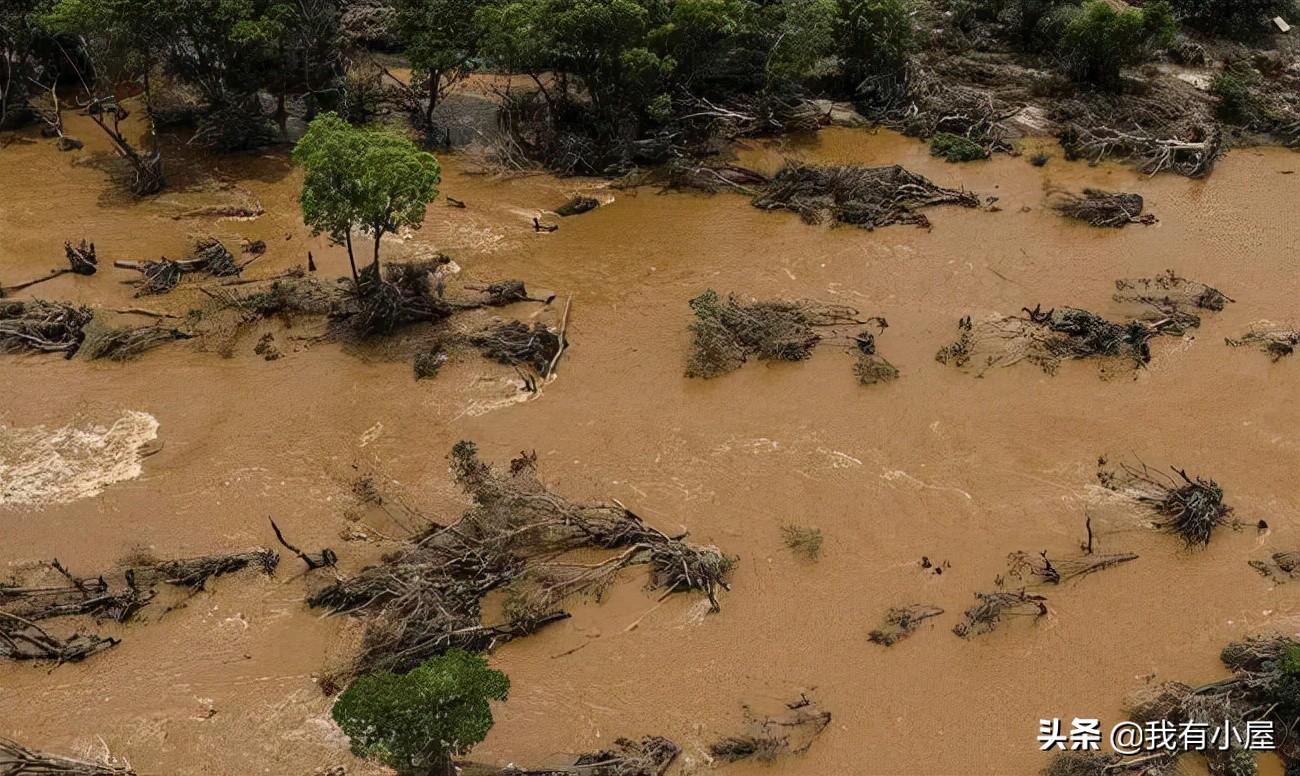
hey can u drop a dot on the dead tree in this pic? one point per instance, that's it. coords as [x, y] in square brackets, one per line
[18, 760]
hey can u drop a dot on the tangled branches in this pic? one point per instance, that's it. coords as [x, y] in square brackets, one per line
[160, 277]
[515, 342]
[1276, 341]
[1282, 567]
[1048, 338]
[518, 538]
[937, 105]
[862, 196]
[1264, 687]
[792, 732]
[1041, 569]
[1191, 508]
[990, 608]
[18, 760]
[729, 332]
[1101, 208]
[901, 622]
[1170, 301]
[1165, 129]
[50, 592]
[124, 343]
[43, 327]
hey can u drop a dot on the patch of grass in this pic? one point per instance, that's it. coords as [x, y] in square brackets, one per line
[955, 148]
[803, 541]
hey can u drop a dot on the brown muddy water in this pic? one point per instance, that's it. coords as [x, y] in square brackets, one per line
[942, 464]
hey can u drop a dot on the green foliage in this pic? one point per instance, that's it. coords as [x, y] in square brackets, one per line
[416, 722]
[875, 39]
[369, 179]
[1237, 90]
[1026, 23]
[806, 542]
[956, 148]
[1233, 18]
[441, 40]
[1099, 42]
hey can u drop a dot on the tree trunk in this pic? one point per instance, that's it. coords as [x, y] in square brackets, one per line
[379, 233]
[434, 82]
[352, 262]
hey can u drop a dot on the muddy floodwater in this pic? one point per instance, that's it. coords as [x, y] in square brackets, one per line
[185, 452]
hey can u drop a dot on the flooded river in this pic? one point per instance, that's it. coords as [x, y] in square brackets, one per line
[939, 464]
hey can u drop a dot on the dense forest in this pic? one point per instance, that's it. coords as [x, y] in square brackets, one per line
[610, 85]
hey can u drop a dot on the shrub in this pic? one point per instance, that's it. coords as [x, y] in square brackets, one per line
[875, 40]
[803, 541]
[1231, 18]
[1236, 90]
[1099, 41]
[956, 148]
[416, 722]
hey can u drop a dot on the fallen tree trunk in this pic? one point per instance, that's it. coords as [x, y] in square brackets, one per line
[18, 760]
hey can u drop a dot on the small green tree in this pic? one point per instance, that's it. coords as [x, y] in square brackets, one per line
[1099, 42]
[416, 722]
[366, 179]
[875, 39]
[441, 40]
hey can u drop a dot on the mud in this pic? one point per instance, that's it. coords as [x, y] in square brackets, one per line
[937, 463]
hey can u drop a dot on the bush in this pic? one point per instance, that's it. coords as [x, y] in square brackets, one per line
[875, 40]
[803, 541]
[416, 722]
[1232, 18]
[1099, 42]
[1238, 100]
[956, 148]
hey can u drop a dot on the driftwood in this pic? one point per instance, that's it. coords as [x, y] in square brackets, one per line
[789, 733]
[50, 592]
[45, 327]
[515, 343]
[1044, 570]
[18, 760]
[159, 277]
[1276, 341]
[577, 206]
[1281, 567]
[902, 621]
[990, 608]
[518, 538]
[326, 558]
[651, 756]
[867, 197]
[728, 332]
[1101, 208]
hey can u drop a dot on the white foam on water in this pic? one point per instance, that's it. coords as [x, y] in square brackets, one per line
[41, 466]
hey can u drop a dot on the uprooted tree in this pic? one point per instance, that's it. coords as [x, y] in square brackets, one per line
[518, 538]
[49, 592]
[1191, 507]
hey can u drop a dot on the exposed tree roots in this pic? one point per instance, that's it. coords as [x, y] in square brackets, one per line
[1191, 508]
[902, 621]
[44, 327]
[159, 277]
[516, 343]
[518, 538]
[862, 196]
[1040, 569]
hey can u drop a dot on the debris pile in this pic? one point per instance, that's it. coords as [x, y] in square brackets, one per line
[990, 608]
[729, 332]
[516, 343]
[48, 591]
[902, 621]
[1041, 569]
[1276, 341]
[1101, 208]
[861, 196]
[18, 760]
[210, 256]
[1282, 567]
[791, 732]
[45, 327]
[518, 538]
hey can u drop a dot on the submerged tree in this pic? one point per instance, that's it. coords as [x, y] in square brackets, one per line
[416, 722]
[366, 179]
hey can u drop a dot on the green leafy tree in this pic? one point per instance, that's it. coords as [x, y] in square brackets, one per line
[416, 722]
[876, 39]
[441, 40]
[366, 179]
[21, 35]
[1098, 43]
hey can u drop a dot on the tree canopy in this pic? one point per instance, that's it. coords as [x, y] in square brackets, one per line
[360, 178]
[416, 722]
